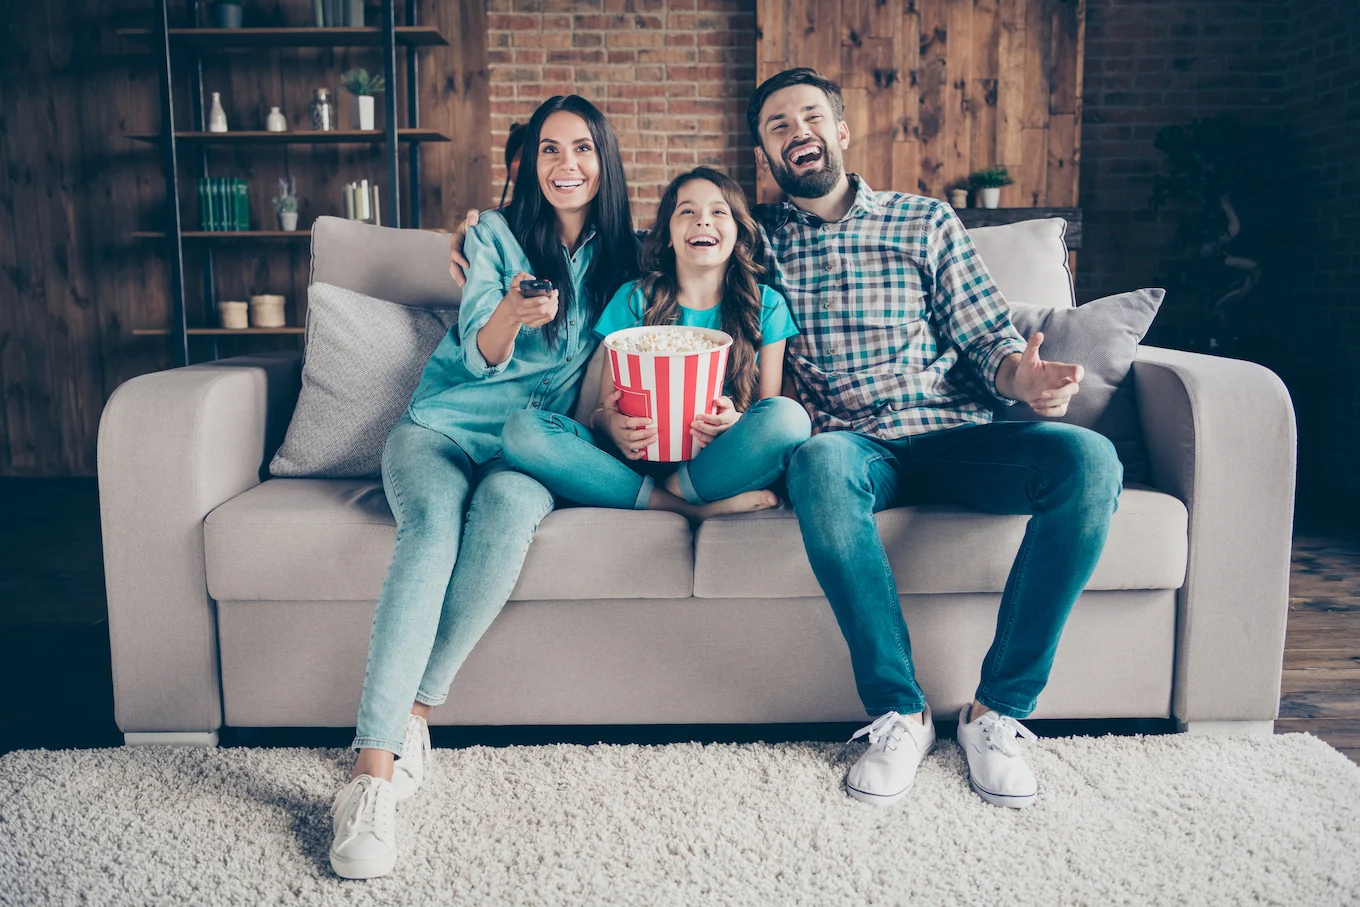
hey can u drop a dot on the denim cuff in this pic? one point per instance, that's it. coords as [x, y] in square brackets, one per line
[374, 743]
[644, 495]
[686, 486]
[426, 699]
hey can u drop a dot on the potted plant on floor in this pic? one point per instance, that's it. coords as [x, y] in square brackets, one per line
[285, 203]
[363, 86]
[988, 181]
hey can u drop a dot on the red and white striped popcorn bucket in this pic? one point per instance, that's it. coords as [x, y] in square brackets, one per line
[671, 389]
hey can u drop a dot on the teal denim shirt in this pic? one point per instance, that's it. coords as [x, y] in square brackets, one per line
[466, 399]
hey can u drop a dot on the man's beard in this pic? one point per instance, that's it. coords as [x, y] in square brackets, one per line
[814, 183]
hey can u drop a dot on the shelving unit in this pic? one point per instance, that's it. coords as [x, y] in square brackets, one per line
[182, 49]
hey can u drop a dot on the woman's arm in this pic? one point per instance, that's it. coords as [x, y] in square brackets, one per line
[772, 369]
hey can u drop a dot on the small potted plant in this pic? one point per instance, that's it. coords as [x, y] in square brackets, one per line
[285, 203]
[363, 86]
[988, 181]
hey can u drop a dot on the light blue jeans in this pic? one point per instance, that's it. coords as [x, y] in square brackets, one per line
[576, 463]
[1066, 478]
[462, 532]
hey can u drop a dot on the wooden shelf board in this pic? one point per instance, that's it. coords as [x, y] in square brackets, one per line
[228, 234]
[300, 137]
[154, 332]
[407, 36]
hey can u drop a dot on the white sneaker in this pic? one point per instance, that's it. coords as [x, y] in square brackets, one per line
[365, 818]
[897, 744]
[409, 768]
[996, 768]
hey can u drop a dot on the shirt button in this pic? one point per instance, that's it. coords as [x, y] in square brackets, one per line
[828, 304]
[830, 266]
[534, 404]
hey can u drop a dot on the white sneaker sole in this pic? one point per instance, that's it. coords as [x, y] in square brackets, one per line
[865, 796]
[1022, 801]
[371, 868]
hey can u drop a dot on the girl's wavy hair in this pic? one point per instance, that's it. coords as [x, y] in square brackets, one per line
[741, 303]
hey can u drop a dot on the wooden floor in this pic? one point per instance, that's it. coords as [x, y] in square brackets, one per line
[54, 633]
[1320, 690]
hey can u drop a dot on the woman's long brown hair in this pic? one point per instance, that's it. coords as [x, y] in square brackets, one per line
[741, 302]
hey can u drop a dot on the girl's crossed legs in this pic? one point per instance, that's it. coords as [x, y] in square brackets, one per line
[727, 476]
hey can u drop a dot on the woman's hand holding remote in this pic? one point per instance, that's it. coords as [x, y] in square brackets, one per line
[529, 311]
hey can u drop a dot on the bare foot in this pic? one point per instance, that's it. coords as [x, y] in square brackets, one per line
[746, 502]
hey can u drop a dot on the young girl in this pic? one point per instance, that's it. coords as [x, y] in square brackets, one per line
[699, 269]
[568, 222]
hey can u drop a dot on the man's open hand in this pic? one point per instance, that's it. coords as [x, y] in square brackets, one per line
[1046, 386]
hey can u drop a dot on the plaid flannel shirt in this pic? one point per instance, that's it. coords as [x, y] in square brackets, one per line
[902, 328]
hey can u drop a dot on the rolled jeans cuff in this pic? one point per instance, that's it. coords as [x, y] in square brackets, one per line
[686, 486]
[374, 743]
[644, 495]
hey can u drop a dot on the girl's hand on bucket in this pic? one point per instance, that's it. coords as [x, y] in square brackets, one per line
[632, 434]
[706, 428]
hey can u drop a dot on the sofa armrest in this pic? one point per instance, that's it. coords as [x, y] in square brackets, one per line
[173, 445]
[1220, 436]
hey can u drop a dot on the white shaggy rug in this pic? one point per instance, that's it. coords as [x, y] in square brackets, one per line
[1120, 820]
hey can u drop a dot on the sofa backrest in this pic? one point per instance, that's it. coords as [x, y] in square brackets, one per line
[1028, 261]
[410, 267]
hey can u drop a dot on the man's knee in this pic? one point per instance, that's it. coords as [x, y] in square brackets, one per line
[824, 462]
[1085, 457]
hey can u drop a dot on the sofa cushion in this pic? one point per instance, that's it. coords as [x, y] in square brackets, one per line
[937, 549]
[363, 360]
[332, 539]
[1101, 336]
[1028, 261]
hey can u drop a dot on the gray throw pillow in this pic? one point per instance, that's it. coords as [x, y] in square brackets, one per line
[362, 362]
[1102, 337]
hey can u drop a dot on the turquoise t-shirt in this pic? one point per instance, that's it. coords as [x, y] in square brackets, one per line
[628, 306]
[465, 398]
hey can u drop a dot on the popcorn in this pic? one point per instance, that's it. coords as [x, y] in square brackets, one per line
[670, 340]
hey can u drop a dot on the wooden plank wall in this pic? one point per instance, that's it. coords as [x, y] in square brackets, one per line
[935, 89]
[73, 284]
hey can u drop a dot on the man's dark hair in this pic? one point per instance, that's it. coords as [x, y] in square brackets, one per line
[803, 75]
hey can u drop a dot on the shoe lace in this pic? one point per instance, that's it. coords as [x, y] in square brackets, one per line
[361, 813]
[887, 729]
[1000, 731]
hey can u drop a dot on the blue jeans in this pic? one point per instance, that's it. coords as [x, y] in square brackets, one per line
[578, 465]
[1067, 478]
[462, 532]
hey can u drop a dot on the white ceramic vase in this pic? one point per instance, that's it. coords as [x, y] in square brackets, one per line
[276, 121]
[991, 197]
[288, 220]
[217, 117]
[365, 106]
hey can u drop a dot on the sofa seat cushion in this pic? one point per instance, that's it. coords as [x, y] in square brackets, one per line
[938, 549]
[332, 540]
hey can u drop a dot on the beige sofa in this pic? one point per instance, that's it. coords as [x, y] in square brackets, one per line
[239, 599]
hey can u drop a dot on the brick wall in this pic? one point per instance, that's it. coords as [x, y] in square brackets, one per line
[1149, 64]
[1321, 306]
[673, 76]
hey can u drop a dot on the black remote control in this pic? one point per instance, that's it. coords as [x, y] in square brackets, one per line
[531, 288]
